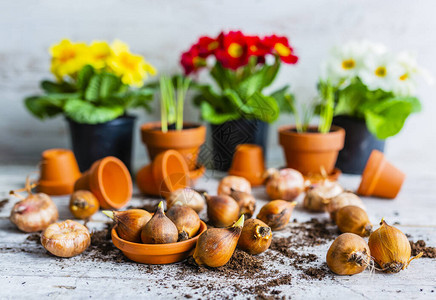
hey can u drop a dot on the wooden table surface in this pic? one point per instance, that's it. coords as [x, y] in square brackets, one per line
[27, 270]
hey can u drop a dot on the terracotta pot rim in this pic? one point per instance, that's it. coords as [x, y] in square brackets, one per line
[311, 141]
[161, 249]
[286, 130]
[99, 172]
[150, 127]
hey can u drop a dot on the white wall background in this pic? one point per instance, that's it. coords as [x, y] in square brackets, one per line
[161, 29]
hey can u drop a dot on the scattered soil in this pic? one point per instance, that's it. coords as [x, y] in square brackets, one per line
[256, 276]
[241, 265]
[420, 246]
[3, 203]
[101, 247]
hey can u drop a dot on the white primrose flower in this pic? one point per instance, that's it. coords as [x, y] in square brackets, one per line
[380, 72]
[343, 64]
[405, 84]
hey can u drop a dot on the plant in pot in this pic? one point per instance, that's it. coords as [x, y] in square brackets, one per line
[313, 149]
[236, 105]
[374, 94]
[171, 132]
[95, 86]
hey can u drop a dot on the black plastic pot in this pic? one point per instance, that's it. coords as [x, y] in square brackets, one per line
[226, 136]
[93, 142]
[359, 143]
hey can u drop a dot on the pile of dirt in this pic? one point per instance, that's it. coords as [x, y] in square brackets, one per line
[420, 246]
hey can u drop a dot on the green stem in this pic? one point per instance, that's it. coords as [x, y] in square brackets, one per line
[327, 111]
[163, 108]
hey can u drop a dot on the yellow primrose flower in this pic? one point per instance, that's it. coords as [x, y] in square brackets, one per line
[131, 68]
[68, 58]
[99, 53]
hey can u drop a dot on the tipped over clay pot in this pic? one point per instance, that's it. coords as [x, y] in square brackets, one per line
[58, 172]
[248, 163]
[380, 178]
[109, 180]
[167, 173]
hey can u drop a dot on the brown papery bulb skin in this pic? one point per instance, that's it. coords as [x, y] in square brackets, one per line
[390, 248]
[318, 195]
[222, 211]
[341, 200]
[83, 204]
[276, 214]
[255, 238]
[233, 182]
[34, 213]
[246, 202]
[129, 223]
[285, 184]
[188, 197]
[349, 254]
[353, 219]
[215, 246]
[66, 239]
[160, 229]
[186, 220]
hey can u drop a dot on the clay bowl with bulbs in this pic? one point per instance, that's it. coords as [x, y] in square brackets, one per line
[157, 254]
[159, 238]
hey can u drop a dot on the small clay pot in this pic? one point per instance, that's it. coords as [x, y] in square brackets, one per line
[311, 151]
[167, 173]
[248, 163]
[157, 254]
[186, 141]
[110, 182]
[380, 178]
[58, 172]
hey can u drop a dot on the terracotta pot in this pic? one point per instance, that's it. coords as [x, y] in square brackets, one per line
[157, 253]
[187, 141]
[167, 173]
[248, 163]
[58, 172]
[309, 152]
[109, 180]
[380, 178]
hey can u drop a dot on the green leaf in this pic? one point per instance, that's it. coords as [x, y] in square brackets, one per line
[206, 93]
[263, 107]
[348, 100]
[102, 86]
[235, 101]
[285, 100]
[386, 118]
[85, 112]
[225, 78]
[51, 87]
[210, 115]
[48, 105]
[258, 80]
[84, 76]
